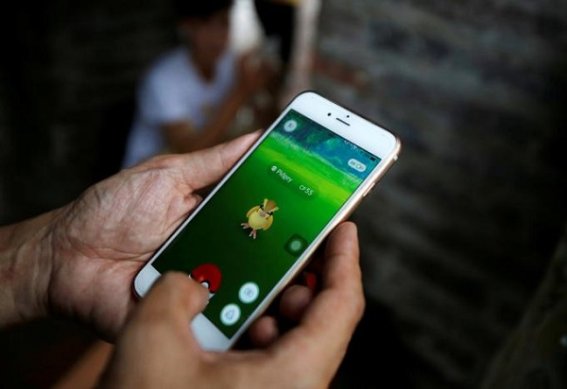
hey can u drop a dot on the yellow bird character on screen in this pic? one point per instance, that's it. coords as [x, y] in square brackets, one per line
[260, 217]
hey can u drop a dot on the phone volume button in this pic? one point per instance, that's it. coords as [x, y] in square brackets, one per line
[369, 189]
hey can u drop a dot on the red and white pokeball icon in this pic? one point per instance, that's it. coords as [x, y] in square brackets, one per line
[208, 275]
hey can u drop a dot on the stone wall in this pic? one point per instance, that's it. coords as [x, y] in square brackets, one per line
[4, 150]
[535, 354]
[68, 83]
[459, 233]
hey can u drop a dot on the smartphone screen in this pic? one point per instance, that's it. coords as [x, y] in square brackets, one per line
[254, 229]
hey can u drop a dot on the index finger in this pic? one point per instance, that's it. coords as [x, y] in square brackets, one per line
[321, 339]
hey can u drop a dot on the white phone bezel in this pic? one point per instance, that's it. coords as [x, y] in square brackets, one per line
[349, 125]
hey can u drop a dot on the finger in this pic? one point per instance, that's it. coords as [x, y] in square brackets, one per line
[264, 331]
[174, 299]
[320, 341]
[204, 167]
[295, 301]
[342, 259]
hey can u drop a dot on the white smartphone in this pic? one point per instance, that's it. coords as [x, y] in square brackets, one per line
[258, 227]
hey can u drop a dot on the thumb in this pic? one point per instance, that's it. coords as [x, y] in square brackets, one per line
[204, 167]
[175, 299]
[159, 324]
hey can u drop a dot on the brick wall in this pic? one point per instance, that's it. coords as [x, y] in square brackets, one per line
[457, 236]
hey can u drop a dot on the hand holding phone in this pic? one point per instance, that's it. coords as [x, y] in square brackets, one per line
[157, 349]
[263, 221]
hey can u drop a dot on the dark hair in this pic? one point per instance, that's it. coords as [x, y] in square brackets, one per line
[200, 9]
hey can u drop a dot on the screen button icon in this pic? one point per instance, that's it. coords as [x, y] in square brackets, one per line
[295, 245]
[356, 165]
[248, 292]
[230, 314]
[290, 126]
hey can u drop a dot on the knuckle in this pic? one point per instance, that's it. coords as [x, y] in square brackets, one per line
[185, 292]
[174, 279]
[359, 306]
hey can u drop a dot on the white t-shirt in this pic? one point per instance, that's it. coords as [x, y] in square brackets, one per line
[172, 90]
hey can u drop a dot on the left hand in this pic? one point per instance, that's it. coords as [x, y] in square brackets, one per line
[101, 240]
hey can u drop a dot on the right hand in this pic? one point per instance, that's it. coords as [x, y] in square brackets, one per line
[157, 348]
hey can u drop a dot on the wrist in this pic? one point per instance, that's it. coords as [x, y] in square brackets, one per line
[25, 267]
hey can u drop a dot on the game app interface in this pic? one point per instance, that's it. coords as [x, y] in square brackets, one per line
[245, 239]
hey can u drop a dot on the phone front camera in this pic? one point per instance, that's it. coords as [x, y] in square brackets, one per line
[329, 114]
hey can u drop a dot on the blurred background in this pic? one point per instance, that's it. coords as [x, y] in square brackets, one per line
[464, 272]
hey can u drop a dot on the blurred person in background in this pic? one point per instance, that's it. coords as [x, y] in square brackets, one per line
[286, 33]
[278, 19]
[190, 96]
